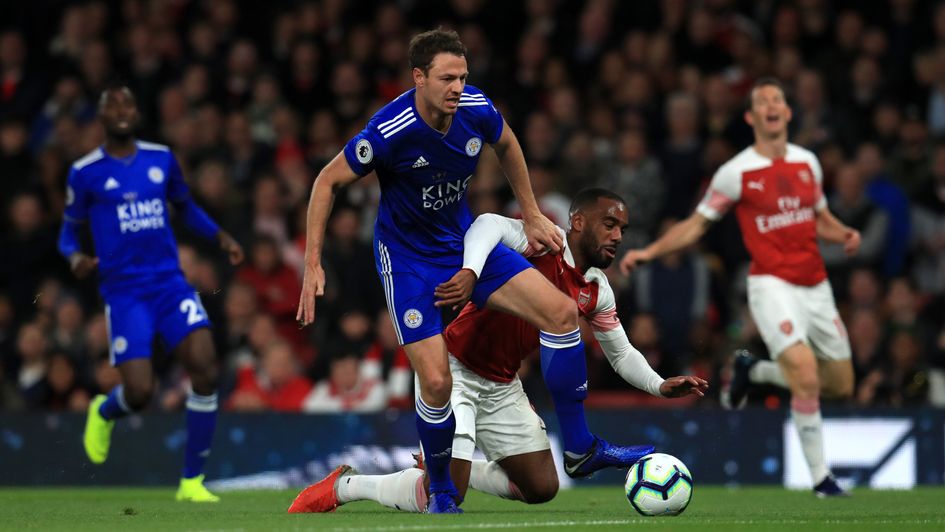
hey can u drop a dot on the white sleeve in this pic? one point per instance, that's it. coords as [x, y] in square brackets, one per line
[626, 360]
[821, 201]
[724, 191]
[487, 232]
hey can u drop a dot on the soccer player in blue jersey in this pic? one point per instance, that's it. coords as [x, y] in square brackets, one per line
[123, 190]
[424, 147]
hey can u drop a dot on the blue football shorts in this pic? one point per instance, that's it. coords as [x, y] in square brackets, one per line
[171, 310]
[409, 284]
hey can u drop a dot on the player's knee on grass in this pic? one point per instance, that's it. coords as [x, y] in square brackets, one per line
[541, 487]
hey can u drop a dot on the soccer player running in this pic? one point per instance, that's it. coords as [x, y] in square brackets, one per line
[775, 188]
[123, 190]
[424, 147]
[486, 349]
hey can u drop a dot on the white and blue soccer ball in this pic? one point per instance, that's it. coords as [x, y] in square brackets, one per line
[659, 484]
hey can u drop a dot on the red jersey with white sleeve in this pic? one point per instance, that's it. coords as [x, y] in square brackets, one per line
[776, 203]
[493, 344]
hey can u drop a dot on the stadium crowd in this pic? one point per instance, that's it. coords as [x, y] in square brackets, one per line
[644, 98]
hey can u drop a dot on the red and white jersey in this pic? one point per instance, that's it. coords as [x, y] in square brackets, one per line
[493, 344]
[776, 202]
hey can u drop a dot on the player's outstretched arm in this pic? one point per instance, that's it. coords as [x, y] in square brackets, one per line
[833, 230]
[334, 176]
[679, 236]
[542, 233]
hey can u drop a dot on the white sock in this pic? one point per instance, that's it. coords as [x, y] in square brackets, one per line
[402, 490]
[810, 429]
[767, 372]
[489, 477]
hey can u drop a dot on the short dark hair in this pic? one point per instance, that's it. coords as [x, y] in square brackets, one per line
[766, 81]
[424, 47]
[590, 196]
[115, 84]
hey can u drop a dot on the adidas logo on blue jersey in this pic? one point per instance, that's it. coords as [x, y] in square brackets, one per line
[111, 183]
[421, 162]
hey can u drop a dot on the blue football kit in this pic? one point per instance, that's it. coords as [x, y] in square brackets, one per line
[125, 202]
[423, 214]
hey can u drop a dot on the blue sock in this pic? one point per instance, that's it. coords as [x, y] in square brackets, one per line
[115, 406]
[201, 421]
[565, 370]
[436, 427]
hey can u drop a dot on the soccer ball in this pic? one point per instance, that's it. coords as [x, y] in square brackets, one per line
[659, 484]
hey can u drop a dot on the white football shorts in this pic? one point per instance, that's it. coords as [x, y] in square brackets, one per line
[493, 416]
[787, 313]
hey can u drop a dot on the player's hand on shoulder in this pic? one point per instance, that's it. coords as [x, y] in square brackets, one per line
[684, 385]
[457, 291]
[851, 242]
[543, 234]
[232, 248]
[82, 265]
[632, 259]
[313, 285]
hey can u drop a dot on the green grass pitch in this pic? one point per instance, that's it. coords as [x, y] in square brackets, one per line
[602, 508]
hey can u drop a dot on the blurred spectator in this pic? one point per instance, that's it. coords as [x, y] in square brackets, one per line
[31, 346]
[902, 381]
[64, 391]
[928, 221]
[277, 287]
[889, 197]
[551, 202]
[68, 335]
[28, 250]
[349, 266]
[275, 385]
[674, 290]
[348, 388]
[681, 156]
[852, 206]
[635, 176]
[21, 91]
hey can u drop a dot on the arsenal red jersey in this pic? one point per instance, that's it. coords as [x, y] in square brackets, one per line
[776, 203]
[493, 344]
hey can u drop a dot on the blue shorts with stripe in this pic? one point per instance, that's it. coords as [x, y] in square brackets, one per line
[409, 283]
[170, 309]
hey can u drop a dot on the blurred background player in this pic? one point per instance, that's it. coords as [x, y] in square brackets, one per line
[123, 189]
[425, 146]
[776, 189]
[486, 349]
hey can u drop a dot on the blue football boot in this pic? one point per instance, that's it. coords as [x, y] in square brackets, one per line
[444, 502]
[604, 454]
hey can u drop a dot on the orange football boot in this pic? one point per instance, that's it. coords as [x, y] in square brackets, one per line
[320, 497]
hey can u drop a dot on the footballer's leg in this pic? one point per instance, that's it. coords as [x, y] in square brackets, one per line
[184, 326]
[530, 296]
[532, 477]
[197, 354]
[130, 330]
[408, 287]
[436, 423]
[836, 378]
[800, 370]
